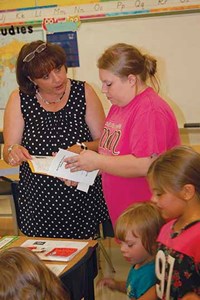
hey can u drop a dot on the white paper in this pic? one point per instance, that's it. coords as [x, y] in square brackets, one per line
[56, 269]
[84, 187]
[55, 166]
[6, 240]
[46, 246]
[57, 169]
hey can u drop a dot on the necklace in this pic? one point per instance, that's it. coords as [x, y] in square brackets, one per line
[48, 102]
[186, 226]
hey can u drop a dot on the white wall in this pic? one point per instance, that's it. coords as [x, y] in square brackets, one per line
[174, 40]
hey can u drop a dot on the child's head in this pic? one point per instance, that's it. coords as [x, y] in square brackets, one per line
[141, 222]
[175, 173]
[23, 276]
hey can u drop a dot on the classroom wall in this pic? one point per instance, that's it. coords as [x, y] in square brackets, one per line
[172, 39]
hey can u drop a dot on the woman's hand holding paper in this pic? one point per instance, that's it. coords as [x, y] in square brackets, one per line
[87, 160]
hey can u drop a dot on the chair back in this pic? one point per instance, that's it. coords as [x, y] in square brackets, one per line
[15, 194]
[5, 186]
[9, 189]
[1, 143]
[1, 137]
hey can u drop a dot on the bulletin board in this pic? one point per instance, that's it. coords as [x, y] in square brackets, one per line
[10, 46]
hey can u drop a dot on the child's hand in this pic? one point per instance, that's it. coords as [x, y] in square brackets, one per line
[109, 282]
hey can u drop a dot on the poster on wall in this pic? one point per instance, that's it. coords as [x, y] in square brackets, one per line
[67, 40]
[11, 41]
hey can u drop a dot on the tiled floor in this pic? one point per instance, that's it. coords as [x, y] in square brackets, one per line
[120, 265]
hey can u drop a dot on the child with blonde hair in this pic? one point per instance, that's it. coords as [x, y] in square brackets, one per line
[23, 276]
[174, 178]
[137, 229]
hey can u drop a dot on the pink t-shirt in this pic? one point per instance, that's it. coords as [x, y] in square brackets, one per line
[185, 242]
[145, 126]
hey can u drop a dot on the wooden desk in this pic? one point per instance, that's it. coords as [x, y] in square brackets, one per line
[196, 147]
[8, 171]
[80, 272]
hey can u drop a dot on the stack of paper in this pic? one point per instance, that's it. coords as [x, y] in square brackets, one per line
[55, 166]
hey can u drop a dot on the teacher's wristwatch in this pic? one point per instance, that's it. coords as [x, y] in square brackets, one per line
[82, 145]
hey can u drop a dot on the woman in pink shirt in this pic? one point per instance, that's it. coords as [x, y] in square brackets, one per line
[139, 126]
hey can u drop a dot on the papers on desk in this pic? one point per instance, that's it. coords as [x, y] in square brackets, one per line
[54, 250]
[55, 166]
[6, 240]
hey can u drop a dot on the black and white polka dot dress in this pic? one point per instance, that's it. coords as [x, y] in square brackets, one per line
[48, 208]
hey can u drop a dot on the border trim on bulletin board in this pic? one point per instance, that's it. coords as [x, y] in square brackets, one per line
[98, 11]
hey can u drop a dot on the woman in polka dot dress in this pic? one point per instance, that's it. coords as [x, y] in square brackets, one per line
[48, 112]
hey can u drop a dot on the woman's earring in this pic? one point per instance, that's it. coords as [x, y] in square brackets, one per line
[34, 84]
[35, 87]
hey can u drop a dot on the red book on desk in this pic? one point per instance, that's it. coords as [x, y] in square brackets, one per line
[61, 252]
[55, 250]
